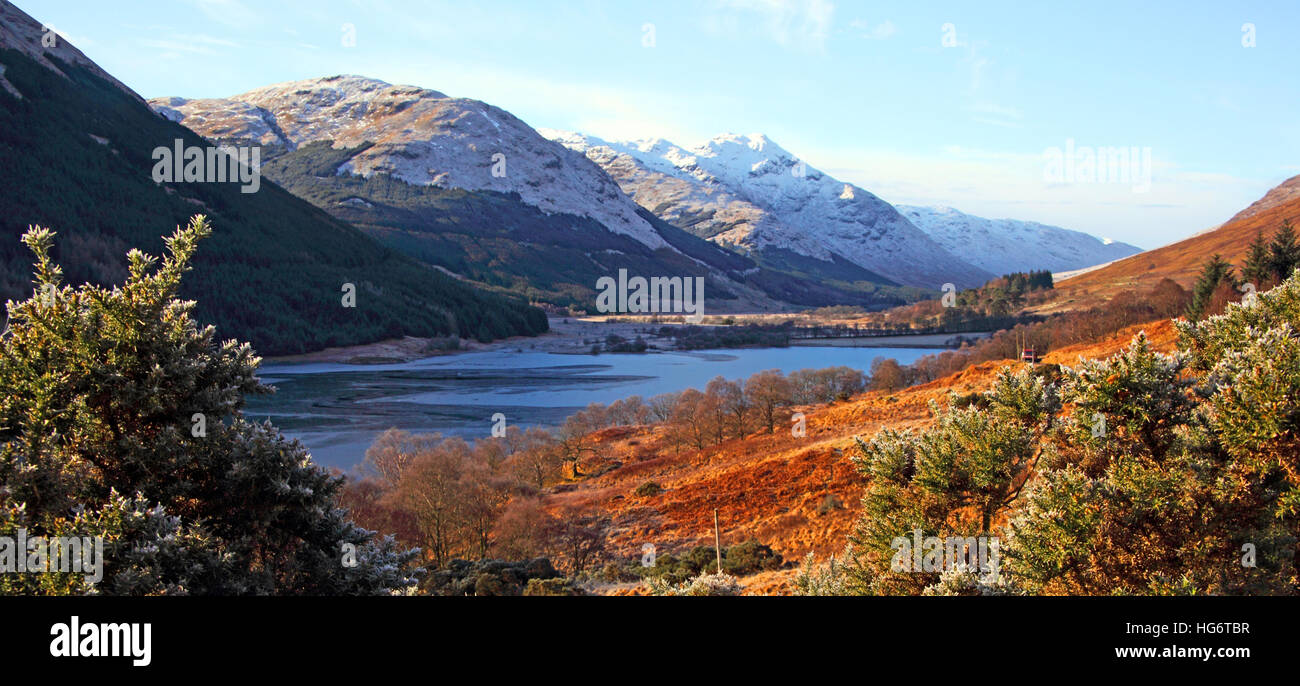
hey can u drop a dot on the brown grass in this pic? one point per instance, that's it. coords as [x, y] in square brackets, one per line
[770, 487]
[1181, 261]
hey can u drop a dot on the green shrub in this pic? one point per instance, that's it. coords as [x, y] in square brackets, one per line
[740, 560]
[488, 577]
[750, 557]
[552, 587]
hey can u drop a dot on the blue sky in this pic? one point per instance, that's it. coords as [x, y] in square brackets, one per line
[918, 102]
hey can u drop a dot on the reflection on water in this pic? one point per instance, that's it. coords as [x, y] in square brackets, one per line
[338, 409]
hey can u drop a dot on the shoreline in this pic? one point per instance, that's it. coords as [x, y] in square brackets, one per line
[567, 335]
[571, 336]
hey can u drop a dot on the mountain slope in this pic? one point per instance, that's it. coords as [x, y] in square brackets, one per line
[1003, 246]
[748, 192]
[1182, 261]
[1284, 192]
[472, 190]
[419, 136]
[76, 156]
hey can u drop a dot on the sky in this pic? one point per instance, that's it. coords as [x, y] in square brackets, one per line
[976, 106]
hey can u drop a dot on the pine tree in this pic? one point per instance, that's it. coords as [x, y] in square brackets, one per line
[1215, 271]
[1258, 268]
[1284, 252]
[120, 417]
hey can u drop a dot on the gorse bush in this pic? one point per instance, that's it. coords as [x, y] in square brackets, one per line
[497, 578]
[120, 417]
[1145, 473]
[715, 584]
[749, 557]
[826, 579]
[648, 489]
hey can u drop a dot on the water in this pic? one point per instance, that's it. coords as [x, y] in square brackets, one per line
[338, 409]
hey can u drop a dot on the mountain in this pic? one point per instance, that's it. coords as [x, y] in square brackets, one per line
[21, 33]
[1182, 261]
[77, 154]
[1283, 193]
[473, 190]
[748, 192]
[1003, 246]
[419, 136]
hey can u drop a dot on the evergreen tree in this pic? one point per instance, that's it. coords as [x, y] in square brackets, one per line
[1284, 252]
[1216, 271]
[1258, 268]
[120, 417]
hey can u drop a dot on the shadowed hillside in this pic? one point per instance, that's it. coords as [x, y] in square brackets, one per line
[76, 156]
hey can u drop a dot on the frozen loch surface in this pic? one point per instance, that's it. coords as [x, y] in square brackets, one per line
[338, 409]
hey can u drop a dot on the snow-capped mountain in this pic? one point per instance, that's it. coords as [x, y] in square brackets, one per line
[1003, 246]
[532, 214]
[749, 192]
[422, 137]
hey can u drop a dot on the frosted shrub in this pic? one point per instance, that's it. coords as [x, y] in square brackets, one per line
[825, 579]
[704, 584]
[1144, 473]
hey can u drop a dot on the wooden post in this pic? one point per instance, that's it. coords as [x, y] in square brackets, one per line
[717, 540]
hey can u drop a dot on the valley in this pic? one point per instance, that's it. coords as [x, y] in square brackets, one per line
[338, 408]
[326, 323]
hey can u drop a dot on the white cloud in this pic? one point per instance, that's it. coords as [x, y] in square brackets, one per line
[996, 115]
[229, 12]
[173, 48]
[791, 23]
[881, 31]
[193, 43]
[606, 112]
[1010, 184]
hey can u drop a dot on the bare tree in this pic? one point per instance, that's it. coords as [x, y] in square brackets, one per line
[887, 375]
[535, 458]
[520, 532]
[661, 406]
[768, 392]
[718, 391]
[430, 490]
[693, 418]
[577, 539]
[736, 404]
[394, 450]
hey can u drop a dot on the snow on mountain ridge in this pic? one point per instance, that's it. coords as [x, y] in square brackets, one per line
[423, 137]
[748, 191]
[1009, 245]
